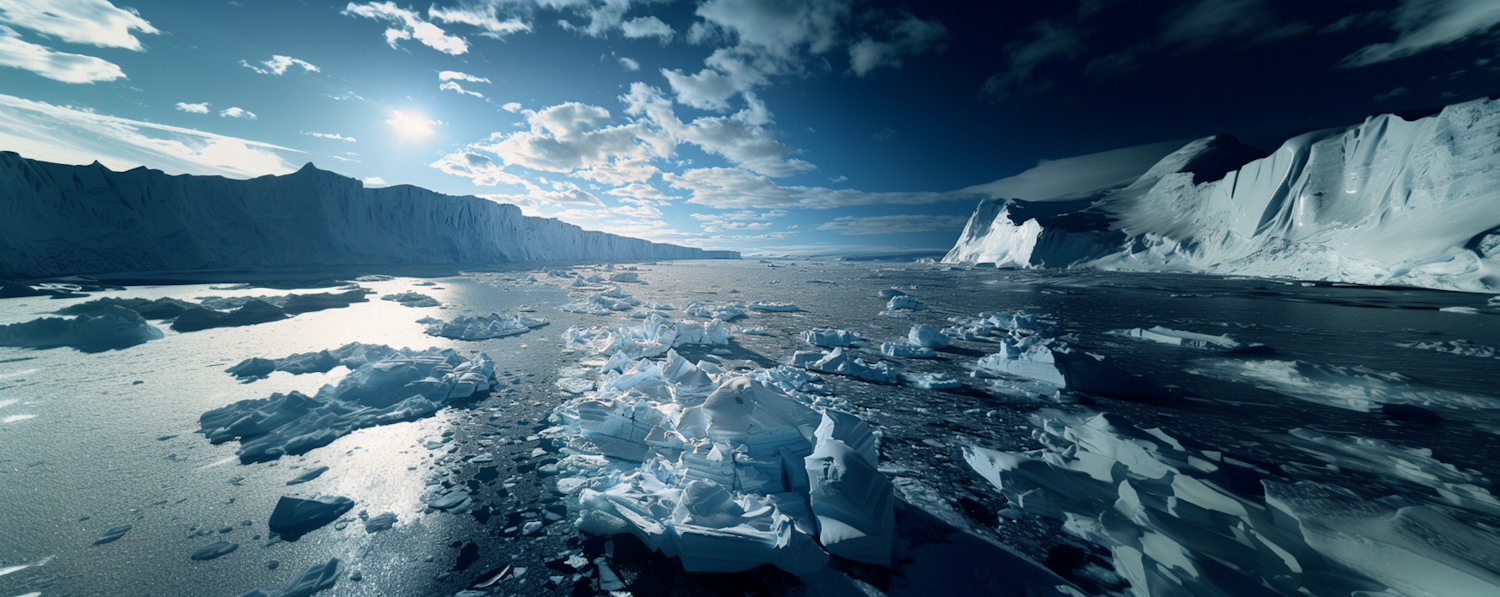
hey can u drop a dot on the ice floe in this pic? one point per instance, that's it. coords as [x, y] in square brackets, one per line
[483, 327]
[250, 313]
[313, 580]
[214, 550]
[829, 338]
[162, 308]
[412, 299]
[112, 534]
[1172, 337]
[1054, 361]
[906, 350]
[308, 476]
[777, 307]
[752, 331]
[840, 363]
[405, 385]
[111, 327]
[720, 312]
[295, 517]
[352, 355]
[1353, 388]
[905, 302]
[933, 381]
[927, 336]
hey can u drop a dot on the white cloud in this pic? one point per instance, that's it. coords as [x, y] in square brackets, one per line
[642, 192]
[453, 75]
[647, 27]
[344, 159]
[409, 25]
[334, 136]
[482, 17]
[741, 138]
[193, 108]
[706, 90]
[778, 29]
[1422, 25]
[373, 181]
[740, 220]
[58, 66]
[727, 188]
[574, 136]
[453, 86]
[630, 64]
[92, 22]
[512, 107]
[481, 170]
[899, 224]
[237, 112]
[1051, 179]
[838, 179]
[908, 37]
[619, 172]
[278, 65]
[69, 135]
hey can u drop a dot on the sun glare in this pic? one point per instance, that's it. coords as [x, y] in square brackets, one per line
[410, 125]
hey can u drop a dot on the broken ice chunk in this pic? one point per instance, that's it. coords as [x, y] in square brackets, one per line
[905, 302]
[315, 579]
[112, 534]
[295, 517]
[484, 327]
[906, 350]
[890, 293]
[839, 363]
[383, 522]
[412, 299]
[928, 336]
[739, 329]
[1180, 338]
[308, 476]
[829, 338]
[933, 381]
[447, 500]
[1052, 361]
[767, 306]
[252, 312]
[854, 503]
[214, 550]
[625, 277]
[112, 327]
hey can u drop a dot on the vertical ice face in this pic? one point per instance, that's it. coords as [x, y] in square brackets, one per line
[1388, 201]
[60, 219]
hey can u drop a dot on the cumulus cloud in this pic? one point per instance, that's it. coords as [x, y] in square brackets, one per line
[278, 65]
[1422, 25]
[333, 136]
[907, 37]
[733, 188]
[512, 107]
[706, 90]
[193, 108]
[1057, 179]
[619, 172]
[740, 220]
[408, 25]
[630, 64]
[742, 137]
[69, 135]
[574, 136]
[58, 66]
[641, 192]
[237, 112]
[91, 22]
[454, 86]
[900, 224]
[481, 170]
[453, 75]
[647, 27]
[481, 16]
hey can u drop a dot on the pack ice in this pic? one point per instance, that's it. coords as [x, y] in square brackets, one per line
[403, 385]
[1184, 519]
[652, 337]
[146, 220]
[1389, 201]
[110, 327]
[726, 472]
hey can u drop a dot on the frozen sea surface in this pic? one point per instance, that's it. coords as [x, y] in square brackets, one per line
[94, 441]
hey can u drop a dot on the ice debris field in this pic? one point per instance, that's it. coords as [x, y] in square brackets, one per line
[805, 450]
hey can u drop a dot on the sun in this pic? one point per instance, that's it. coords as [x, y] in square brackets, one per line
[411, 125]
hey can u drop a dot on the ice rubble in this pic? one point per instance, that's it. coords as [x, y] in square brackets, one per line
[721, 312]
[1173, 337]
[1459, 347]
[1353, 388]
[829, 338]
[653, 337]
[905, 302]
[725, 472]
[1184, 519]
[291, 304]
[933, 381]
[145, 220]
[1389, 201]
[483, 327]
[906, 350]
[352, 356]
[405, 385]
[837, 362]
[110, 327]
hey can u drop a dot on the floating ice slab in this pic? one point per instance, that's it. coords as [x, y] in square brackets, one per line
[406, 385]
[928, 336]
[250, 313]
[295, 517]
[752, 331]
[111, 327]
[412, 299]
[162, 308]
[448, 500]
[778, 307]
[1353, 388]
[886, 293]
[841, 364]
[1055, 362]
[1172, 337]
[625, 277]
[315, 579]
[214, 550]
[308, 476]
[720, 312]
[353, 356]
[906, 350]
[905, 302]
[829, 338]
[383, 522]
[484, 327]
[112, 534]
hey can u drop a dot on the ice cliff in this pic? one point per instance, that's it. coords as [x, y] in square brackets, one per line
[57, 219]
[1387, 202]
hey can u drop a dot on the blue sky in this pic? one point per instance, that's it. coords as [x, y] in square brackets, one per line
[785, 127]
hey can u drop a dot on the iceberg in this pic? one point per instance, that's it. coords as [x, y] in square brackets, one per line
[829, 338]
[484, 327]
[1389, 201]
[405, 385]
[905, 302]
[927, 336]
[1172, 337]
[295, 517]
[71, 219]
[412, 299]
[1053, 361]
[162, 308]
[906, 350]
[777, 307]
[839, 363]
[107, 328]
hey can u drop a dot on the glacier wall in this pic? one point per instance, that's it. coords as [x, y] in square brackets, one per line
[1385, 202]
[58, 219]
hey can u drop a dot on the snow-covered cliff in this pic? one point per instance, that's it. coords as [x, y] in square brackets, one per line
[57, 219]
[1389, 202]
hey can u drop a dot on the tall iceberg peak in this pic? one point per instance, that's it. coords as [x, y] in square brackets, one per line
[1390, 201]
[58, 219]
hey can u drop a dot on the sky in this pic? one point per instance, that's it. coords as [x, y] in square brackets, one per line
[774, 127]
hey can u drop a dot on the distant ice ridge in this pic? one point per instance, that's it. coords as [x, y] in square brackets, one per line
[77, 219]
[483, 327]
[407, 384]
[726, 472]
[1184, 519]
[1385, 202]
